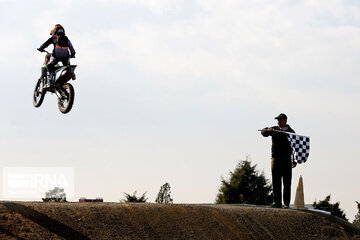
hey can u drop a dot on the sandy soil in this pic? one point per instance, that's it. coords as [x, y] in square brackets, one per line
[38, 220]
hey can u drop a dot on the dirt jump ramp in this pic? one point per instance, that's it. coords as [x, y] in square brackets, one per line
[38, 220]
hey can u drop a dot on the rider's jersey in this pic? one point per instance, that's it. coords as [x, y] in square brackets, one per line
[59, 52]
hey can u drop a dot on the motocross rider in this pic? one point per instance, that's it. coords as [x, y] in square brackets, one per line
[62, 45]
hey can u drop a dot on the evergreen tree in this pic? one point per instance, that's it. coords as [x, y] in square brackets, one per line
[246, 185]
[164, 194]
[133, 198]
[357, 216]
[334, 209]
[55, 195]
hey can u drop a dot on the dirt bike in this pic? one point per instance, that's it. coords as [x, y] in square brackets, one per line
[63, 90]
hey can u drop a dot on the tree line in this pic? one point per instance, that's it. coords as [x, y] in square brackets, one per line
[164, 196]
[245, 185]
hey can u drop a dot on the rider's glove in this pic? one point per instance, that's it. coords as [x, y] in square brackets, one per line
[72, 55]
[41, 50]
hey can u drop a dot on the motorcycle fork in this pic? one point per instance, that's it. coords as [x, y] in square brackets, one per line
[58, 93]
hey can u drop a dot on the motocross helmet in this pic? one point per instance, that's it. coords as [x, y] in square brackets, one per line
[58, 30]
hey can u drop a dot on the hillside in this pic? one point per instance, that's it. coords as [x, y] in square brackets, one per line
[37, 220]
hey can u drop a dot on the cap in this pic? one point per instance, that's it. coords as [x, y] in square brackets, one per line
[281, 116]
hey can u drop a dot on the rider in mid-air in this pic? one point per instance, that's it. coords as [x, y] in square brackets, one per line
[62, 45]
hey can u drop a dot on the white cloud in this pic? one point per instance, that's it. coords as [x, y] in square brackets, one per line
[334, 7]
[157, 7]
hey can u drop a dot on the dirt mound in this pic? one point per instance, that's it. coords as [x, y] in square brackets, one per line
[37, 220]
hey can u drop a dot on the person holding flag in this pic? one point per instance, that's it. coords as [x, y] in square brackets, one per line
[281, 160]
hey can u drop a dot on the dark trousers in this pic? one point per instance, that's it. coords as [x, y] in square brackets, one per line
[53, 61]
[281, 169]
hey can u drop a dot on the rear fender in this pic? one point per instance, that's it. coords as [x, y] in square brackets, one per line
[64, 74]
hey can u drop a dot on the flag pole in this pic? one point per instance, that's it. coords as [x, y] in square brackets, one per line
[284, 132]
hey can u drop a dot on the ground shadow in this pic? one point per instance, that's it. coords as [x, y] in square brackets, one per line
[43, 220]
[6, 232]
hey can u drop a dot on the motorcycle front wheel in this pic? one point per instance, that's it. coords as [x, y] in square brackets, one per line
[39, 93]
[66, 101]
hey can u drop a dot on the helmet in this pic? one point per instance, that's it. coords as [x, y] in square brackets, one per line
[58, 30]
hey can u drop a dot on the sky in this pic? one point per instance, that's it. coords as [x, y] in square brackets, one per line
[175, 91]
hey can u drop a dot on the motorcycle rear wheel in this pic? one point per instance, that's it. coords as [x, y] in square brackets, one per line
[39, 93]
[66, 101]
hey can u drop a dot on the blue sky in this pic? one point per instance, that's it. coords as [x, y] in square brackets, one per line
[174, 91]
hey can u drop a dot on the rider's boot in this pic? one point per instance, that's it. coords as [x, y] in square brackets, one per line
[49, 81]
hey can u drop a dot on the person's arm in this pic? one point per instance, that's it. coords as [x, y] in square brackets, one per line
[267, 132]
[264, 132]
[46, 44]
[72, 50]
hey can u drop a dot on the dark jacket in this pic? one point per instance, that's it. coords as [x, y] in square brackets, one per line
[281, 148]
[58, 52]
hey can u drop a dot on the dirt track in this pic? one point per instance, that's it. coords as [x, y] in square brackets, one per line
[37, 220]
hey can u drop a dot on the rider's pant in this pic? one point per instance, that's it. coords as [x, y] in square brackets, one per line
[53, 61]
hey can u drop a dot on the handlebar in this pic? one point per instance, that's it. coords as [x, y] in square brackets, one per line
[43, 51]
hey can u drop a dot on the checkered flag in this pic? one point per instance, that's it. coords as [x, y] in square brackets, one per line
[300, 145]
